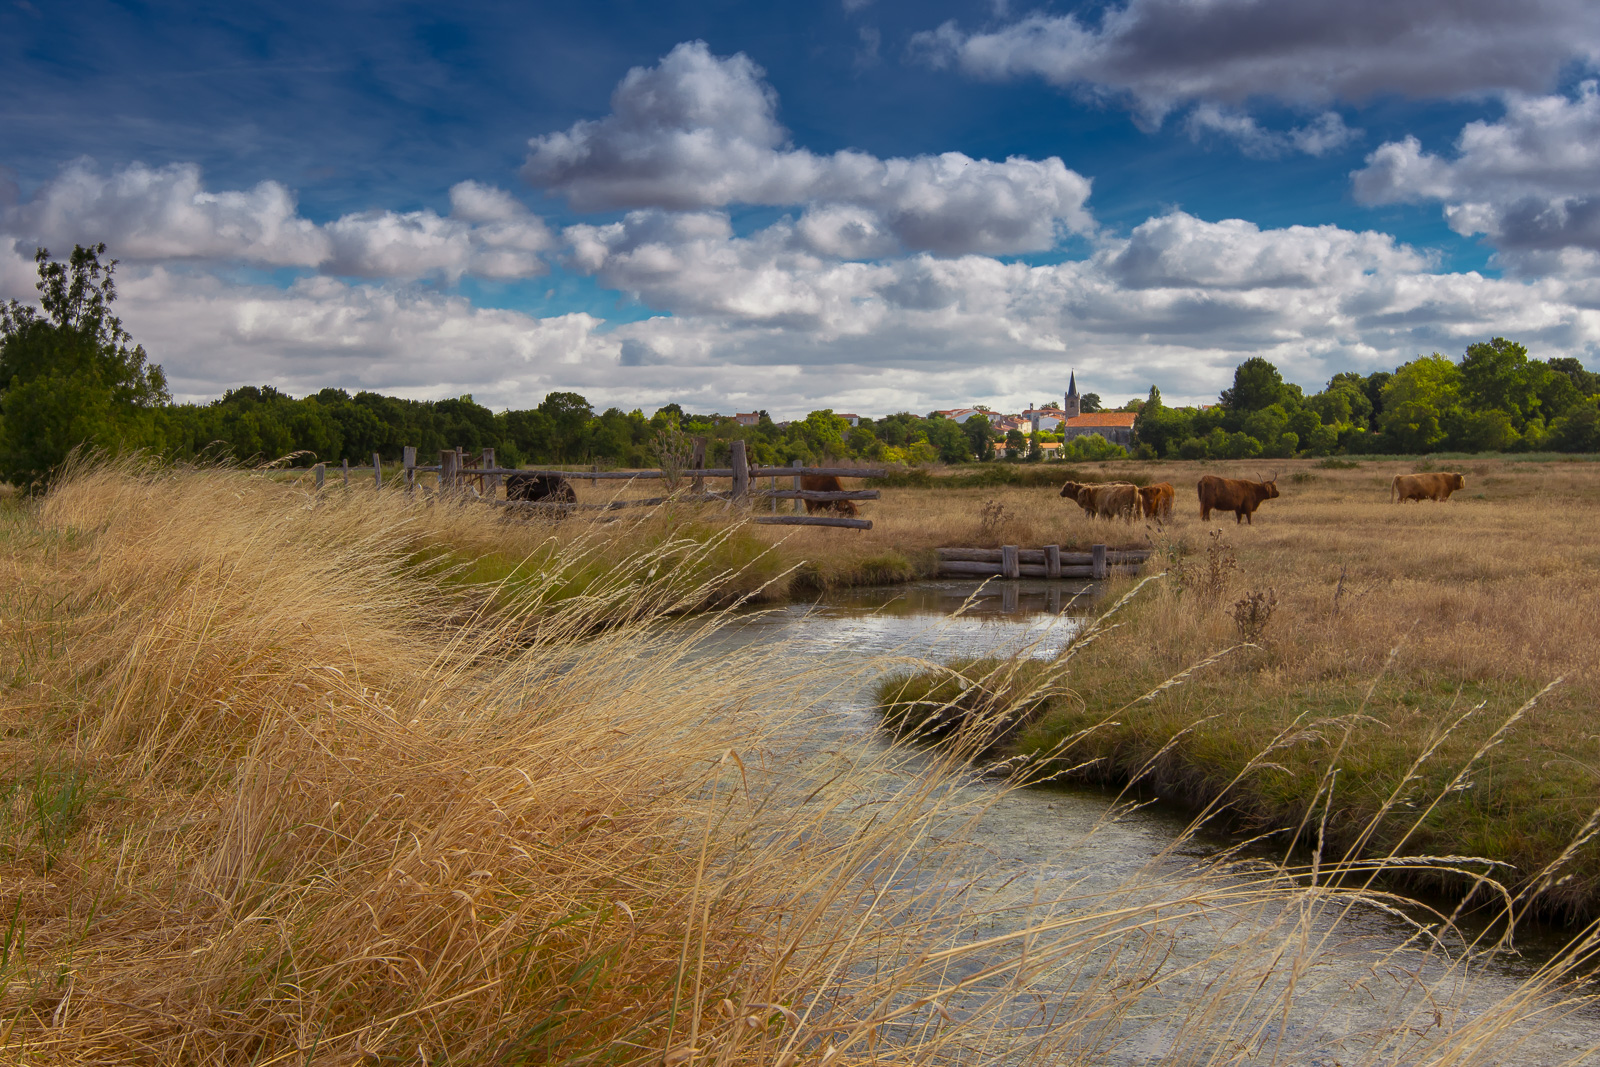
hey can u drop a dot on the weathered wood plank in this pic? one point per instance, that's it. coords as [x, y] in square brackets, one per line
[1010, 566]
[821, 494]
[842, 472]
[814, 520]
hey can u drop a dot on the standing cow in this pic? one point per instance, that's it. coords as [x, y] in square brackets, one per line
[1106, 499]
[1157, 500]
[1425, 486]
[1235, 495]
[826, 483]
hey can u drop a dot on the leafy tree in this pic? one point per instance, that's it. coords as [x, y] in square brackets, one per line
[1494, 377]
[980, 437]
[1586, 382]
[949, 439]
[568, 415]
[1016, 445]
[1419, 402]
[68, 376]
[1089, 402]
[1578, 430]
[1256, 385]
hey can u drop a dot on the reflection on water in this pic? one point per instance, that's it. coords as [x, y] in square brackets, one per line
[1042, 836]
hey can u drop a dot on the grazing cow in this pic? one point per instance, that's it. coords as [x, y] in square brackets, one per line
[826, 483]
[1156, 500]
[540, 488]
[1106, 499]
[1235, 495]
[1425, 486]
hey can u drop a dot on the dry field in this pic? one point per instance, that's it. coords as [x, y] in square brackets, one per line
[278, 785]
[1381, 634]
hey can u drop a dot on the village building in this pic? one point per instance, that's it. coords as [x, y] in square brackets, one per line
[747, 418]
[1114, 426]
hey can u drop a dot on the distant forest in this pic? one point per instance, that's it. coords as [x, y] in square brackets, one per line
[70, 376]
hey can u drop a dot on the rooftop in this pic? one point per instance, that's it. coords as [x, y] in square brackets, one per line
[1123, 419]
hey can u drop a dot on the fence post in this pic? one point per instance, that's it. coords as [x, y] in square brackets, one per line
[1097, 557]
[344, 465]
[798, 501]
[491, 482]
[377, 470]
[1052, 561]
[741, 472]
[408, 457]
[1010, 562]
[447, 469]
[697, 457]
[772, 484]
[321, 471]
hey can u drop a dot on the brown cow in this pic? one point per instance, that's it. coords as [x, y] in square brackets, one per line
[1106, 499]
[826, 483]
[1235, 495]
[1157, 500]
[1425, 486]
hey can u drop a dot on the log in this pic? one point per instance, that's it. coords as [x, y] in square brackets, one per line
[1115, 557]
[821, 494]
[1010, 566]
[1052, 561]
[814, 520]
[842, 472]
[955, 568]
[1098, 556]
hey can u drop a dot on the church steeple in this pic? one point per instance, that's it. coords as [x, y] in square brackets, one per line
[1072, 406]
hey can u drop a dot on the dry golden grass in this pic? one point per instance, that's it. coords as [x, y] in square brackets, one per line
[278, 788]
[1435, 608]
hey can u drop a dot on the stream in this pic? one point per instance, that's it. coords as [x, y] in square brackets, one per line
[1045, 840]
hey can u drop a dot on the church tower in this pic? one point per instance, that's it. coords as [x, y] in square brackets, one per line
[1071, 407]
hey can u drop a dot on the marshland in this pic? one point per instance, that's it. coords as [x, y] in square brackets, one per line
[350, 778]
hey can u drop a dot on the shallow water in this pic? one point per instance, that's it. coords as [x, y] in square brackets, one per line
[1047, 840]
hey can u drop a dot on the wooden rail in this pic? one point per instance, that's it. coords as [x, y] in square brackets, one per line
[457, 475]
[1009, 561]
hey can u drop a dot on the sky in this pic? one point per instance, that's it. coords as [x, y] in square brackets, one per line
[864, 205]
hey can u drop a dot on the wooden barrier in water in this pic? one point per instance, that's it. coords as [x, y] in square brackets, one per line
[1009, 561]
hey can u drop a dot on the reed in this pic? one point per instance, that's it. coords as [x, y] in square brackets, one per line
[280, 786]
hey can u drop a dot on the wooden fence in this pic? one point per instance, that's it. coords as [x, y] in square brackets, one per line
[1009, 561]
[464, 475]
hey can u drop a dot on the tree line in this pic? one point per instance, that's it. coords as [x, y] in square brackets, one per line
[1496, 399]
[70, 376]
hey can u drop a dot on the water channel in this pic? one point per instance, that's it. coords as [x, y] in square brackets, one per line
[1037, 839]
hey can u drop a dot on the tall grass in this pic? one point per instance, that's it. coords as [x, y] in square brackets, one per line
[282, 785]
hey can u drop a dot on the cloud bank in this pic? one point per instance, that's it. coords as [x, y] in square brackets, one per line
[1160, 54]
[699, 131]
[1530, 183]
[166, 213]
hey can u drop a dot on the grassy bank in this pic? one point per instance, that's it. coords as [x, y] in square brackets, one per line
[1361, 637]
[276, 788]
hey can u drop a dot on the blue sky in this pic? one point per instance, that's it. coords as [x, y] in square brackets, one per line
[769, 210]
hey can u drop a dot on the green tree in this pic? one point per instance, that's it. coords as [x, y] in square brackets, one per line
[1586, 382]
[1256, 385]
[68, 376]
[980, 437]
[1419, 402]
[949, 440]
[1494, 377]
[1089, 403]
[568, 416]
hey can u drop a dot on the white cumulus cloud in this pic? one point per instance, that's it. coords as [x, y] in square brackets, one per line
[701, 131]
[1530, 182]
[165, 214]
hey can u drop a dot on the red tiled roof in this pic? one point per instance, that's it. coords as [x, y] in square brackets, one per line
[1122, 419]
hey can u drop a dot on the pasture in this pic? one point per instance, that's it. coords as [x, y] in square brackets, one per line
[1364, 635]
[280, 782]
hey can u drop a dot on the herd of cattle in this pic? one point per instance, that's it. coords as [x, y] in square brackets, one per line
[1112, 500]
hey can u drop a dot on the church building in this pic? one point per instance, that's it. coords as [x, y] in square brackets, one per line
[1114, 426]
